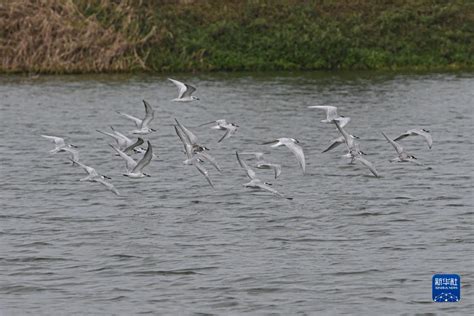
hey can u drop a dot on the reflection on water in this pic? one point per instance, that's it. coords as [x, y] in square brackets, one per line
[347, 243]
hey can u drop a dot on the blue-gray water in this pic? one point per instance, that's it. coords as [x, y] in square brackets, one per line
[348, 243]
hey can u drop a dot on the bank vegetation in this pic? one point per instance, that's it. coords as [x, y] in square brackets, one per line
[83, 36]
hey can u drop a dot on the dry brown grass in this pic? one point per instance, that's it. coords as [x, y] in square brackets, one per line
[55, 36]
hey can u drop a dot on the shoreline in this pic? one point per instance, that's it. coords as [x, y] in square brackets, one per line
[362, 72]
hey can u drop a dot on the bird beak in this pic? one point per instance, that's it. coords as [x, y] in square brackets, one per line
[153, 130]
[105, 177]
[73, 146]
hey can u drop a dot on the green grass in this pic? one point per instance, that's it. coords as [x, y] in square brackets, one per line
[305, 35]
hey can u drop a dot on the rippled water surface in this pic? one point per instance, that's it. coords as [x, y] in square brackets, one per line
[348, 243]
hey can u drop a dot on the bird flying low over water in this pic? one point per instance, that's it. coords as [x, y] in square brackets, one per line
[349, 139]
[121, 140]
[336, 142]
[256, 183]
[195, 154]
[188, 148]
[263, 164]
[184, 91]
[292, 145]
[61, 146]
[133, 148]
[354, 152]
[402, 155]
[125, 144]
[142, 126]
[230, 128]
[417, 132]
[191, 138]
[59, 143]
[93, 176]
[331, 114]
[134, 168]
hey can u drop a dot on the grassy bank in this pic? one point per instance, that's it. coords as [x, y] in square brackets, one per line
[212, 35]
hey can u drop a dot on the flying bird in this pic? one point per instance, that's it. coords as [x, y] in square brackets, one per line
[59, 143]
[292, 145]
[134, 169]
[61, 146]
[93, 176]
[121, 140]
[142, 125]
[256, 183]
[184, 91]
[417, 132]
[133, 148]
[336, 142]
[331, 114]
[230, 128]
[350, 140]
[355, 154]
[402, 155]
[191, 138]
[195, 154]
[263, 164]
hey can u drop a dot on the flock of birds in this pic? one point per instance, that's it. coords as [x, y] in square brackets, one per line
[198, 155]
